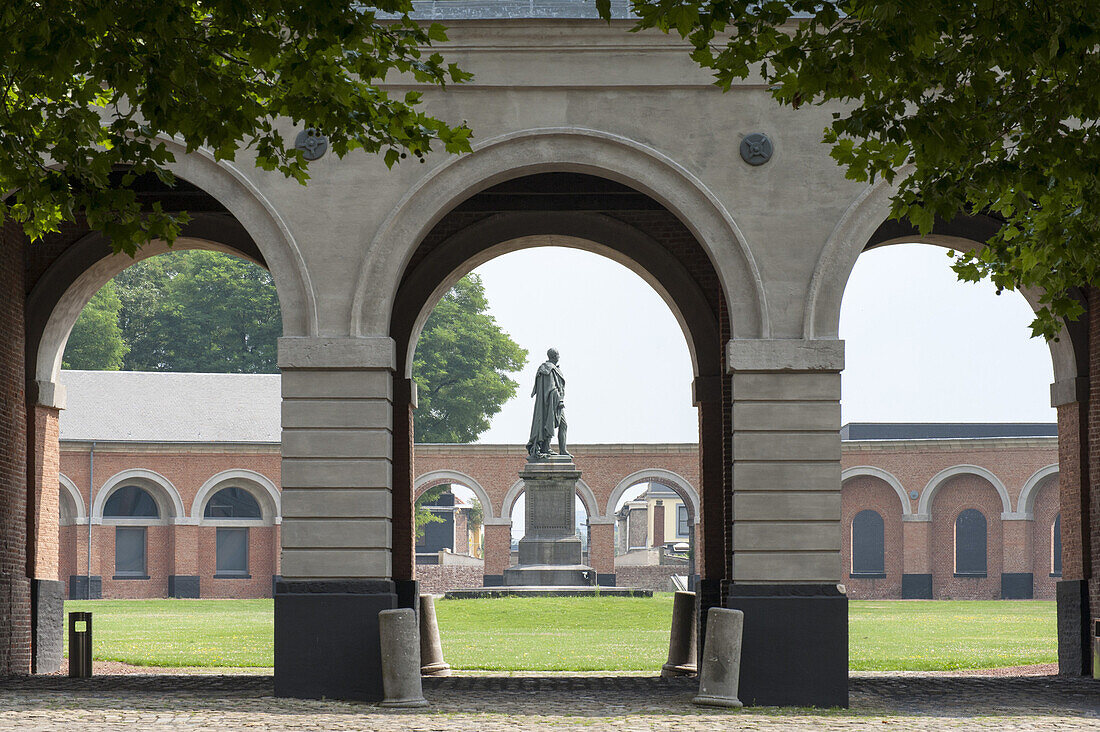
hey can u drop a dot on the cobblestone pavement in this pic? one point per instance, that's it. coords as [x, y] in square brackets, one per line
[494, 703]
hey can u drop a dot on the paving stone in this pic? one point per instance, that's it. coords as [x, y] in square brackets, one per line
[495, 703]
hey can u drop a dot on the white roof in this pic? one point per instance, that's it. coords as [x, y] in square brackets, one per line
[132, 406]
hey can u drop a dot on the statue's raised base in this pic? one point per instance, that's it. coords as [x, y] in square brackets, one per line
[550, 552]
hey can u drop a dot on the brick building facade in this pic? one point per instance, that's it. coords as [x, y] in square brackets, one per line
[916, 479]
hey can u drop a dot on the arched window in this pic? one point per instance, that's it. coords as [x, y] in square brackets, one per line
[130, 501]
[970, 544]
[231, 559]
[868, 544]
[232, 502]
[65, 508]
[1056, 547]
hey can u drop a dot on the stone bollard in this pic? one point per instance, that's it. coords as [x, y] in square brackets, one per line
[721, 666]
[431, 650]
[400, 643]
[682, 639]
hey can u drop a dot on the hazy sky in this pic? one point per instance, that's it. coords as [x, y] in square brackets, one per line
[920, 346]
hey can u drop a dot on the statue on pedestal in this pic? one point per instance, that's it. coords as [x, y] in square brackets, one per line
[549, 394]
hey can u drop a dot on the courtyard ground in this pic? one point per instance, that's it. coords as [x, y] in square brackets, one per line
[580, 634]
[488, 703]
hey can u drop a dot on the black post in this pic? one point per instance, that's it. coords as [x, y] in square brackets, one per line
[80, 645]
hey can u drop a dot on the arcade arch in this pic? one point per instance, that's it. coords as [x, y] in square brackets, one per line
[515, 209]
[259, 486]
[167, 498]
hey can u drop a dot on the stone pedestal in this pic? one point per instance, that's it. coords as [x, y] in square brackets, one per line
[550, 551]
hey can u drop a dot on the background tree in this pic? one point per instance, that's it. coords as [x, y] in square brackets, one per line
[199, 311]
[461, 367]
[982, 105]
[96, 342]
[89, 84]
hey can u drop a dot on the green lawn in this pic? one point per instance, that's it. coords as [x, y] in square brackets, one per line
[579, 634]
[180, 632]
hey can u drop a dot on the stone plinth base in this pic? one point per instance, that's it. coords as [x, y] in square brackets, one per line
[543, 575]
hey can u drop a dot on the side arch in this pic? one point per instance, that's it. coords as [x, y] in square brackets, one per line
[437, 477]
[1025, 506]
[559, 150]
[867, 223]
[162, 490]
[588, 497]
[261, 486]
[924, 508]
[889, 478]
[73, 492]
[655, 475]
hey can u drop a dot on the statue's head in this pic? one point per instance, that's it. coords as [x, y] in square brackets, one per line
[552, 354]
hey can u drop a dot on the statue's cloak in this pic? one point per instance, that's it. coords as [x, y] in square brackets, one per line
[549, 393]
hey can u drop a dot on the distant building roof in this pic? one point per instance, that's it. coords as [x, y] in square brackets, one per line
[131, 406]
[945, 430]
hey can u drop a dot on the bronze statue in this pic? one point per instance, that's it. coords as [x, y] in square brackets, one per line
[549, 394]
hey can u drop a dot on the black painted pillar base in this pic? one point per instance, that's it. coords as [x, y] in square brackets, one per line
[492, 580]
[1074, 642]
[47, 624]
[605, 580]
[1017, 586]
[82, 587]
[183, 586]
[408, 594]
[794, 650]
[708, 594]
[916, 587]
[326, 638]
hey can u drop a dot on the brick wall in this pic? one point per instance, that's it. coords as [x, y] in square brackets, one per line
[15, 589]
[44, 509]
[1046, 508]
[867, 492]
[957, 495]
[435, 580]
[647, 578]
[908, 545]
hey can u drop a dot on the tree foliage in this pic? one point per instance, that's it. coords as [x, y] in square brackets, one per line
[96, 341]
[199, 311]
[983, 106]
[461, 367]
[88, 85]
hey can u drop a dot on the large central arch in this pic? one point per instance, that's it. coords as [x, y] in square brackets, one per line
[632, 228]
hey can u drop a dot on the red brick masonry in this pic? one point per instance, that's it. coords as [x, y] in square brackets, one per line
[1011, 481]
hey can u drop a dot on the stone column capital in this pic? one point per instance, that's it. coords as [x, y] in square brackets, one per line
[784, 354]
[371, 352]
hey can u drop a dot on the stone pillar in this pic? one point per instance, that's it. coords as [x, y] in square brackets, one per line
[786, 521]
[658, 524]
[601, 549]
[713, 554]
[497, 550]
[336, 570]
[916, 577]
[184, 580]
[1017, 579]
[1071, 398]
[47, 590]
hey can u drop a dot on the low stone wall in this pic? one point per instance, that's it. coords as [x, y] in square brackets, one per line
[654, 577]
[436, 580]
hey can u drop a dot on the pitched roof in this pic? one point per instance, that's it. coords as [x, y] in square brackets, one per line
[131, 406]
[945, 430]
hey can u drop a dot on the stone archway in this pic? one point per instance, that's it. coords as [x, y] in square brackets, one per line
[547, 209]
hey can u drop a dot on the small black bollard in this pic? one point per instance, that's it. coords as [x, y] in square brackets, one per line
[80, 645]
